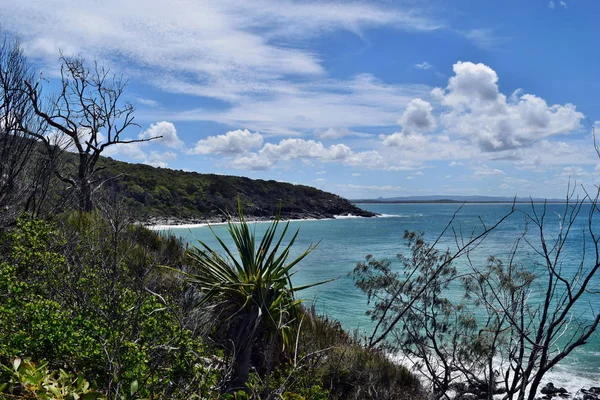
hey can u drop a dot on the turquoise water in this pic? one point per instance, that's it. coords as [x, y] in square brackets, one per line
[345, 241]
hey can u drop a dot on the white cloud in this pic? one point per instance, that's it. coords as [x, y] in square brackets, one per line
[251, 162]
[484, 170]
[132, 151]
[418, 116]
[337, 133]
[424, 65]
[477, 110]
[167, 133]
[306, 150]
[224, 49]
[408, 141]
[563, 4]
[157, 159]
[371, 159]
[362, 101]
[147, 102]
[574, 172]
[233, 142]
[290, 149]
[551, 4]
[65, 142]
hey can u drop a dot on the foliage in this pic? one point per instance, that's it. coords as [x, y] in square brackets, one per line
[165, 193]
[251, 292]
[432, 330]
[31, 381]
[345, 368]
[64, 300]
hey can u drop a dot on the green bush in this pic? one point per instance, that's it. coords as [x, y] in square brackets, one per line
[30, 381]
[81, 297]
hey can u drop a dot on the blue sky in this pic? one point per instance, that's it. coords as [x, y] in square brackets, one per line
[363, 99]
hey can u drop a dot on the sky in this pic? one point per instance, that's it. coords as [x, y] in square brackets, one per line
[362, 99]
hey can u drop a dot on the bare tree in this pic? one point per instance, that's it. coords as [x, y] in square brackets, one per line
[552, 317]
[90, 113]
[16, 120]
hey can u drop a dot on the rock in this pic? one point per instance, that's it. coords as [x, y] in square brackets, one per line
[550, 391]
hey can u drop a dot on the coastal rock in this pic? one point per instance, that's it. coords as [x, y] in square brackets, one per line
[593, 393]
[551, 391]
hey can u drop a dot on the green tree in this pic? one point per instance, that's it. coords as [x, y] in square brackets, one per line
[251, 292]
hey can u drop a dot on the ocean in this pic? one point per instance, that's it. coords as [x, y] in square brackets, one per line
[345, 241]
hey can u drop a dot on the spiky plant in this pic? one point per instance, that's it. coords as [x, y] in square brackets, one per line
[250, 289]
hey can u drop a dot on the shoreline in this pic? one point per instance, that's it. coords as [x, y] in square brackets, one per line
[159, 224]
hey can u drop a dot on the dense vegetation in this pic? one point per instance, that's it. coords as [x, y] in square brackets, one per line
[162, 193]
[87, 299]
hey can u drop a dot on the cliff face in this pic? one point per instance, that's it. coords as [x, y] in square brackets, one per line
[164, 194]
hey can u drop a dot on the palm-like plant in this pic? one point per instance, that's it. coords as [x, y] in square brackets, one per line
[251, 290]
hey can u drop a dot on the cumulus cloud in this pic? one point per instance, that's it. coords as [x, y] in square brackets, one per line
[408, 141]
[251, 162]
[289, 149]
[418, 116]
[167, 133]
[306, 150]
[233, 142]
[475, 108]
[158, 159]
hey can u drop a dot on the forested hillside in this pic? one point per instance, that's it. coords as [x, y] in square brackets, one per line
[165, 194]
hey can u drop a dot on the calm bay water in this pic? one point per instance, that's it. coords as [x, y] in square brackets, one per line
[345, 241]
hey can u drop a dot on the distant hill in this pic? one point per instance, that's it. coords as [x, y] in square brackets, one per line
[164, 195]
[454, 199]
